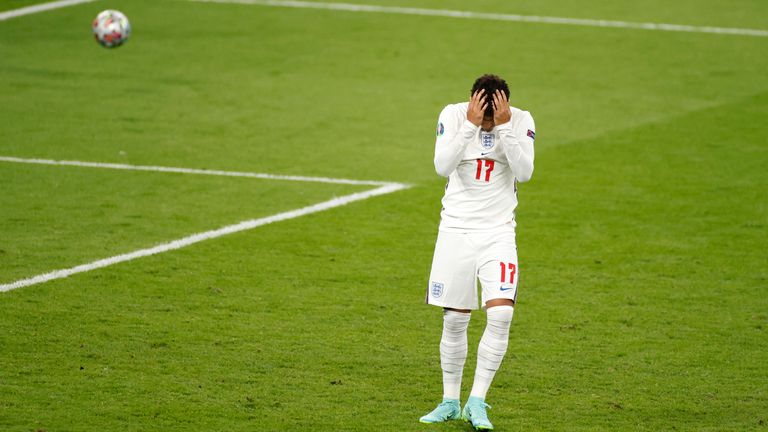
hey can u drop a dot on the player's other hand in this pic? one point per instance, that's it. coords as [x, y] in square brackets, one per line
[501, 111]
[477, 106]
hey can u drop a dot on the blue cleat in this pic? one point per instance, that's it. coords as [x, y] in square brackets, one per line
[449, 409]
[474, 412]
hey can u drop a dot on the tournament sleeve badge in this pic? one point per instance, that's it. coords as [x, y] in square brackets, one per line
[531, 134]
[440, 129]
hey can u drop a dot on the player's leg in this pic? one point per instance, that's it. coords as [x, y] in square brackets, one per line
[498, 276]
[490, 353]
[453, 351]
[453, 354]
[493, 346]
[452, 285]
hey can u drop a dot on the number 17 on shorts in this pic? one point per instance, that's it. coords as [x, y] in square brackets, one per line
[508, 277]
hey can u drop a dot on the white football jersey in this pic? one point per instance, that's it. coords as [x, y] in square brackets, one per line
[483, 168]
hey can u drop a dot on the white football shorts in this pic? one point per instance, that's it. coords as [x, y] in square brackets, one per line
[463, 258]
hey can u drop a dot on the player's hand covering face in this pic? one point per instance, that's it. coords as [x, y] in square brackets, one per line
[477, 106]
[501, 111]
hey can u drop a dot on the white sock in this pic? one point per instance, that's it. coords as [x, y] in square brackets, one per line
[453, 351]
[493, 346]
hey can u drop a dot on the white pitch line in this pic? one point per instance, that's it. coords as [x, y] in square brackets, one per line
[207, 235]
[349, 7]
[39, 8]
[192, 171]
[383, 188]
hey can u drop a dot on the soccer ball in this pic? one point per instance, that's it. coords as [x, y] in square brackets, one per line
[111, 28]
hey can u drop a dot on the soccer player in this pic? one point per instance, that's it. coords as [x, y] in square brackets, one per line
[485, 148]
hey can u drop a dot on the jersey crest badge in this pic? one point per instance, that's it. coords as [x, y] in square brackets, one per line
[437, 289]
[440, 129]
[486, 140]
[531, 134]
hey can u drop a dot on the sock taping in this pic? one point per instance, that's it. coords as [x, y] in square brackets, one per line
[493, 346]
[453, 351]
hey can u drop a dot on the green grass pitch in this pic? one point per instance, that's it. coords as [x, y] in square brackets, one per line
[642, 235]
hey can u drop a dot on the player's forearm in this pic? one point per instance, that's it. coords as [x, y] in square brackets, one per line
[519, 153]
[448, 153]
[520, 162]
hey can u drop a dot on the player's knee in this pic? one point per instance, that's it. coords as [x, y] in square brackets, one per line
[499, 320]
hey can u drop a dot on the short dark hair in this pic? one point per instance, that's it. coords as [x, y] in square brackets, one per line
[490, 83]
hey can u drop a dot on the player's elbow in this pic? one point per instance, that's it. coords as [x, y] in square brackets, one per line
[443, 169]
[525, 175]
